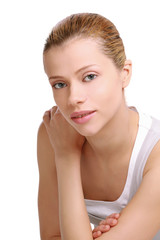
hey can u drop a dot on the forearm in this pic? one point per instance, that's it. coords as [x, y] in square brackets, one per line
[74, 221]
[51, 238]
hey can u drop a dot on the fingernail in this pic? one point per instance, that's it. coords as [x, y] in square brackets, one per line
[106, 226]
[102, 222]
[114, 221]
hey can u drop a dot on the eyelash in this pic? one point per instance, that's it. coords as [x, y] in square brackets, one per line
[64, 84]
[61, 83]
[92, 74]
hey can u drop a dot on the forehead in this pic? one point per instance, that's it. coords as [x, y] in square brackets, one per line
[73, 53]
[74, 47]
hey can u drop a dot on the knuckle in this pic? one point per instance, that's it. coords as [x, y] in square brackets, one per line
[45, 114]
[102, 222]
[54, 108]
[95, 229]
[103, 227]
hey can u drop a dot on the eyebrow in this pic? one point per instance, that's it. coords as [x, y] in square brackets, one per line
[79, 70]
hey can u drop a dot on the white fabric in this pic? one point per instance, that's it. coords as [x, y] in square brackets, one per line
[147, 136]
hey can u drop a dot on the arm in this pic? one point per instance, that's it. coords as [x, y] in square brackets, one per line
[105, 225]
[140, 219]
[48, 193]
[48, 189]
[71, 201]
[67, 145]
[143, 209]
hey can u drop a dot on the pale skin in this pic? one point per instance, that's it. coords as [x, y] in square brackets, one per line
[83, 78]
[105, 225]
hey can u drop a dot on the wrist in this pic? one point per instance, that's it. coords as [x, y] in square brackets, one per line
[68, 159]
[68, 170]
[67, 155]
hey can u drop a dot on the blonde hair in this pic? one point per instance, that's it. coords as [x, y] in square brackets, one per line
[89, 25]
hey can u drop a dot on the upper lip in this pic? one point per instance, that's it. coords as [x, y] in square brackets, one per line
[76, 114]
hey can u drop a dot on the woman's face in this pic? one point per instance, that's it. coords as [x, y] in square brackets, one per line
[87, 87]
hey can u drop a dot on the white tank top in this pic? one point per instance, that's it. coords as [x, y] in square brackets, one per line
[147, 136]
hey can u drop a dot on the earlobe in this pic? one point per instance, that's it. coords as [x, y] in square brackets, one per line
[127, 72]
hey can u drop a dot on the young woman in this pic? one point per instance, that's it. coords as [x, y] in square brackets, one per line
[96, 155]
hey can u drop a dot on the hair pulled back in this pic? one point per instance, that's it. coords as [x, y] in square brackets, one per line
[89, 25]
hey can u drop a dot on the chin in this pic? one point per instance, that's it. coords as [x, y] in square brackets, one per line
[87, 132]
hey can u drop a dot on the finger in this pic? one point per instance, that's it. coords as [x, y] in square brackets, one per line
[57, 110]
[53, 110]
[109, 221]
[114, 215]
[110, 218]
[102, 228]
[96, 234]
[46, 117]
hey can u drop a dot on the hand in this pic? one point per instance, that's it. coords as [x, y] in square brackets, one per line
[63, 137]
[105, 225]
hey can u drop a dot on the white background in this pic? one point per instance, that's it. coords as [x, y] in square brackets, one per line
[25, 93]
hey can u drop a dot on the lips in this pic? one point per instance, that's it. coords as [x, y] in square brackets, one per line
[81, 114]
[82, 117]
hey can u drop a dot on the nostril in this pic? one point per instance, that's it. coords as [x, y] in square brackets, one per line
[77, 98]
[77, 93]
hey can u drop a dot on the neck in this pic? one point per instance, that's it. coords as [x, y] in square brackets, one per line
[116, 137]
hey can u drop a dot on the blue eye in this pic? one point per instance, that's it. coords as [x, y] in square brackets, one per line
[59, 85]
[90, 77]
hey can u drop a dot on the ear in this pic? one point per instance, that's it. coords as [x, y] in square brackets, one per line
[126, 73]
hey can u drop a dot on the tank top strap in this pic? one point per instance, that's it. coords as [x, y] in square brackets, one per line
[151, 139]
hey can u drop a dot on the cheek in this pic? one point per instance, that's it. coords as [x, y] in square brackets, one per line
[109, 99]
[61, 102]
[107, 92]
[59, 99]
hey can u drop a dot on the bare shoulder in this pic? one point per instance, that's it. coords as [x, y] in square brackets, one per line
[153, 161]
[42, 135]
[144, 207]
[48, 187]
[45, 152]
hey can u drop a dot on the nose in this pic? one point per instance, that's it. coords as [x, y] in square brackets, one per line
[77, 94]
